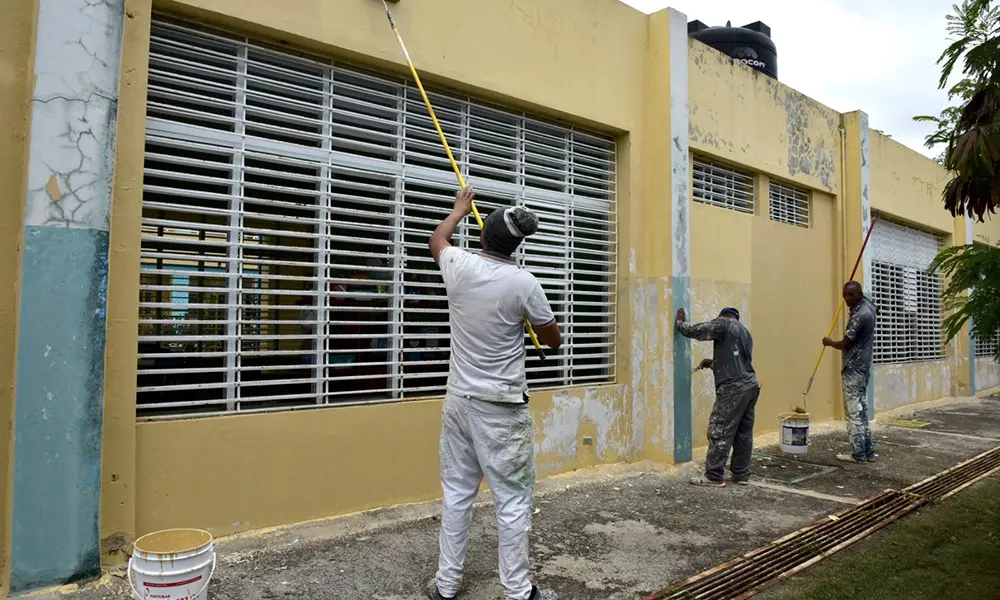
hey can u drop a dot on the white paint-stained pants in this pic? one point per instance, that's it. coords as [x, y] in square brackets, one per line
[477, 439]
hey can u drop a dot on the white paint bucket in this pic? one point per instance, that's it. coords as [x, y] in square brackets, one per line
[794, 432]
[174, 564]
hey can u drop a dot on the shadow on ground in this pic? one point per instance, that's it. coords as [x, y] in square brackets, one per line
[608, 537]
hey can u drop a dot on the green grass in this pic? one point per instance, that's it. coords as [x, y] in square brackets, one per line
[949, 550]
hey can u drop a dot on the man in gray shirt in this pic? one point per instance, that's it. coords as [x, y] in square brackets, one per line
[736, 393]
[856, 368]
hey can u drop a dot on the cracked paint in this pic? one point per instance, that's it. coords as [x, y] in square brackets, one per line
[74, 106]
[60, 365]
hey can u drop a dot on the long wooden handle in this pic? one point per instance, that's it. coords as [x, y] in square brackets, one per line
[447, 150]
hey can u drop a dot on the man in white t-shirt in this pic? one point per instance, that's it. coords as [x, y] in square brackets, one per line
[486, 426]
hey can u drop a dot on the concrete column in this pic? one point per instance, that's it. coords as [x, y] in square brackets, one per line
[17, 35]
[858, 209]
[61, 325]
[965, 345]
[661, 419]
[680, 230]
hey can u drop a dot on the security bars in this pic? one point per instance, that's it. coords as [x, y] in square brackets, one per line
[907, 295]
[722, 186]
[287, 205]
[787, 204]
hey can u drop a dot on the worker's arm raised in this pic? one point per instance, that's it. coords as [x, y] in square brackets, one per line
[703, 332]
[441, 238]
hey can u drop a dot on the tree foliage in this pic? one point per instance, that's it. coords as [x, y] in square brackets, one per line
[970, 131]
[973, 267]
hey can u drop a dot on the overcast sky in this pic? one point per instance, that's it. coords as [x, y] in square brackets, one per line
[874, 55]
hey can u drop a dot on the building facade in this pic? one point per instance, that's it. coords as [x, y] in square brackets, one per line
[218, 309]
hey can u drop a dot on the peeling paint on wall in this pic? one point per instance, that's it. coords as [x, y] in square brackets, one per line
[64, 282]
[739, 114]
[987, 374]
[902, 384]
[561, 426]
[74, 107]
[638, 379]
[806, 154]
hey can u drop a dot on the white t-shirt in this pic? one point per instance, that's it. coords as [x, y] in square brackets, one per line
[488, 300]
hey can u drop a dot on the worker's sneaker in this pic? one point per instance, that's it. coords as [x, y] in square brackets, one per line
[434, 594]
[537, 594]
[706, 482]
[850, 458]
[741, 480]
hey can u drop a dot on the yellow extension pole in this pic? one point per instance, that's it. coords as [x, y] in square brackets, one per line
[833, 325]
[840, 307]
[447, 149]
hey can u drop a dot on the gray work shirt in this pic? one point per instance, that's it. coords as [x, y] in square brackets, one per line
[732, 359]
[857, 356]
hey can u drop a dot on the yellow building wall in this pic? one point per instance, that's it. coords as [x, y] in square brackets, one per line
[783, 279]
[233, 473]
[907, 185]
[988, 232]
[229, 474]
[907, 188]
[17, 37]
[743, 116]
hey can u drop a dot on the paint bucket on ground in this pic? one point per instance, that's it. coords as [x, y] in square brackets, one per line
[794, 429]
[174, 564]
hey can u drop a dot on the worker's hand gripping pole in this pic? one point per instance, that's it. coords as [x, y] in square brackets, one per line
[447, 148]
[840, 307]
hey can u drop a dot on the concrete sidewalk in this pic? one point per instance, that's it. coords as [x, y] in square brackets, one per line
[613, 534]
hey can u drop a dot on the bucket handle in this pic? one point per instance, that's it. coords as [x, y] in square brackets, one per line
[208, 580]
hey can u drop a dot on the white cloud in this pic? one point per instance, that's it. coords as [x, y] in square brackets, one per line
[874, 55]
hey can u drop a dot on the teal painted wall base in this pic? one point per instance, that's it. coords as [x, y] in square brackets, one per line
[59, 412]
[683, 418]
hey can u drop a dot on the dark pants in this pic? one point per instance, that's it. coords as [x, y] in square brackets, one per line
[731, 428]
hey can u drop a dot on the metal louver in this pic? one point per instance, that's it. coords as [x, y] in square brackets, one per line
[286, 210]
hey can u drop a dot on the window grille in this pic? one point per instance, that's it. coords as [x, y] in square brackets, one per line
[287, 206]
[986, 348]
[789, 205]
[723, 186]
[907, 295]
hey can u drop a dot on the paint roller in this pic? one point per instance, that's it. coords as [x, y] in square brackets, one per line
[444, 143]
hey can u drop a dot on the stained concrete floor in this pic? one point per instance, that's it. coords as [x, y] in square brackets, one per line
[614, 534]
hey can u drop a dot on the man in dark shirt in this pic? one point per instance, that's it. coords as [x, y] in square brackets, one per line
[859, 338]
[736, 393]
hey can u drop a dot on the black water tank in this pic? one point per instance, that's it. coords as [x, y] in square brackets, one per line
[750, 44]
